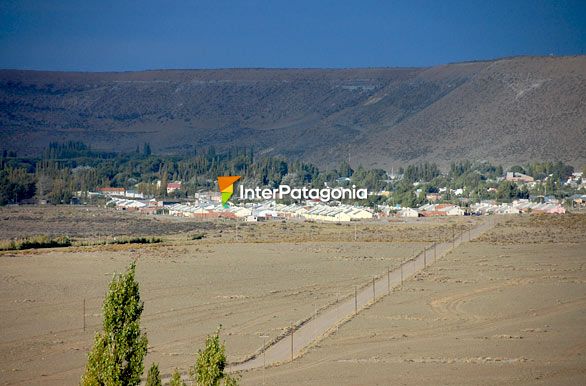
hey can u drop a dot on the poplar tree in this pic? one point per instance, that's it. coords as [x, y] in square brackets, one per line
[211, 362]
[118, 351]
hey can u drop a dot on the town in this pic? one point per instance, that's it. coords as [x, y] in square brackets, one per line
[207, 205]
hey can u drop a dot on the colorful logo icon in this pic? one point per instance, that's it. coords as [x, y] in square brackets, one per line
[226, 185]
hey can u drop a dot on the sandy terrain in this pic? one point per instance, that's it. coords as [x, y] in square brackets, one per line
[250, 288]
[510, 311]
[510, 307]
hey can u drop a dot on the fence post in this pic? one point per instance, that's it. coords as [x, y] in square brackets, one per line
[373, 290]
[389, 280]
[401, 274]
[355, 301]
[434, 251]
[291, 341]
[84, 314]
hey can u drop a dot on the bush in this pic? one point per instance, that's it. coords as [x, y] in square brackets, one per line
[154, 376]
[198, 236]
[35, 242]
[176, 379]
[137, 240]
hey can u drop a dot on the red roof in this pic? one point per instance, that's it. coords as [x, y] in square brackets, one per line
[444, 206]
[433, 213]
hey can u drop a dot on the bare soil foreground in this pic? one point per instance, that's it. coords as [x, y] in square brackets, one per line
[254, 279]
[508, 308]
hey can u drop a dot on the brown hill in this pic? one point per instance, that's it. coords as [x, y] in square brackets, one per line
[509, 111]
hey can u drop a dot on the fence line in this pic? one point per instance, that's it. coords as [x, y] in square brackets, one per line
[323, 323]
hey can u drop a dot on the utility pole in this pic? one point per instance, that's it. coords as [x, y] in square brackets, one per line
[389, 280]
[373, 290]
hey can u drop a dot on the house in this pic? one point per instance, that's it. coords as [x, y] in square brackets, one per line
[454, 211]
[173, 186]
[431, 210]
[408, 212]
[518, 177]
[112, 191]
[433, 197]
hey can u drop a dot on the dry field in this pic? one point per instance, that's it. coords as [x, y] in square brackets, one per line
[509, 308]
[254, 279]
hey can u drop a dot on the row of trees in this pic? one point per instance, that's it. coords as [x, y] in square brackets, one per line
[65, 169]
[117, 356]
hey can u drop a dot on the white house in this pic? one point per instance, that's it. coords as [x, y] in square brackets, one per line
[408, 212]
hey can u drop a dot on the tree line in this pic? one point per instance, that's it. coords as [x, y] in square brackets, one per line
[63, 169]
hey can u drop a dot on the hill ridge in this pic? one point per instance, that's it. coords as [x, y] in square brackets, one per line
[509, 110]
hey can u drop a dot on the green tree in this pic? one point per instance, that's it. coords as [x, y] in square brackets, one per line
[154, 376]
[146, 150]
[119, 350]
[211, 362]
[345, 170]
[176, 379]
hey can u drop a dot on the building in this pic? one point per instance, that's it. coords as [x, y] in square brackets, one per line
[407, 212]
[340, 213]
[173, 186]
[518, 177]
[432, 210]
[112, 191]
[433, 197]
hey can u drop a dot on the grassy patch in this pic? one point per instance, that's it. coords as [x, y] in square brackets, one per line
[136, 240]
[35, 242]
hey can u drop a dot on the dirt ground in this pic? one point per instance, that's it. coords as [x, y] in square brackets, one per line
[83, 223]
[189, 288]
[507, 311]
[496, 310]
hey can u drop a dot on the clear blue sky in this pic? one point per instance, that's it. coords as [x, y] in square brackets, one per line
[133, 35]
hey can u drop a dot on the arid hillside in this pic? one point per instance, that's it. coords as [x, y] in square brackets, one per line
[509, 110]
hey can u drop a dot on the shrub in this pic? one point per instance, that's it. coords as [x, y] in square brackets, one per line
[137, 240]
[176, 379]
[154, 376]
[35, 242]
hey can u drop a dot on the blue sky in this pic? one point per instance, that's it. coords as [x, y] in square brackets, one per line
[128, 35]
